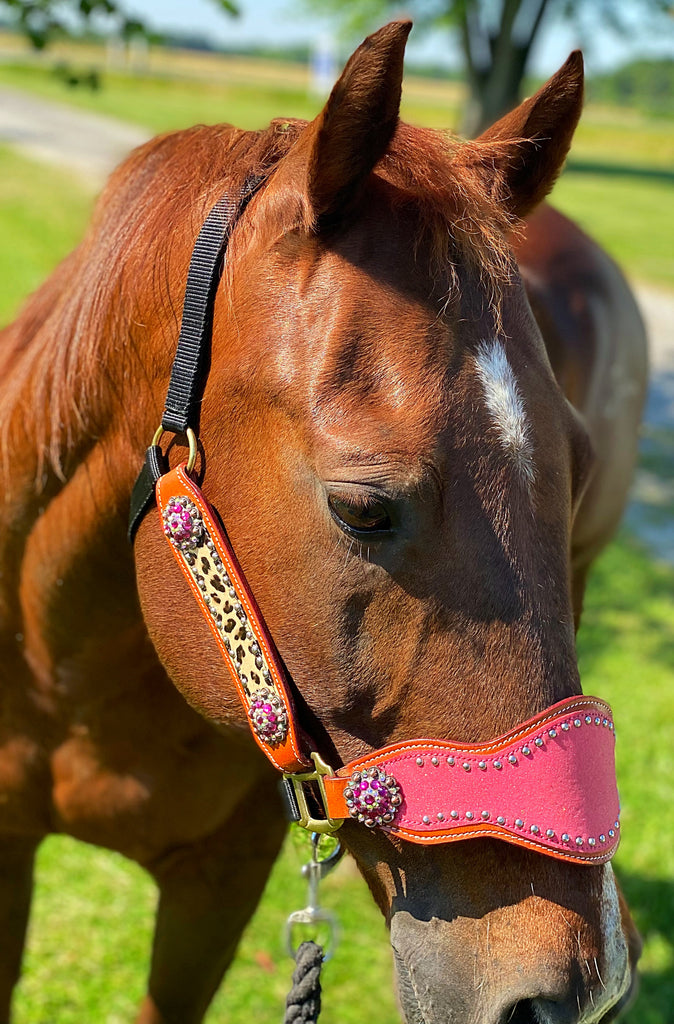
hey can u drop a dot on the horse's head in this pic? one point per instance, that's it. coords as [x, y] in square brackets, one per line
[398, 473]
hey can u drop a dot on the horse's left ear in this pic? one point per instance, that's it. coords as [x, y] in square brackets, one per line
[527, 147]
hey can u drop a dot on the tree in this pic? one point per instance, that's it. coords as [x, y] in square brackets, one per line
[497, 36]
[42, 20]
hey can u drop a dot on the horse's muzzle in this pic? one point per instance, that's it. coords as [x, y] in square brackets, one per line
[536, 962]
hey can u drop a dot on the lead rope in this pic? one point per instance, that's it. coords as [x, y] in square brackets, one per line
[303, 1004]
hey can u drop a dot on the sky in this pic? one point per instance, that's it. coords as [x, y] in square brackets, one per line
[276, 22]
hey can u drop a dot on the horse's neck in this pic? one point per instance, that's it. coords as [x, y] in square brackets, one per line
[65, 461]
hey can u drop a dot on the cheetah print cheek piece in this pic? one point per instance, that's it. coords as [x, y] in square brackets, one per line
[207, 560]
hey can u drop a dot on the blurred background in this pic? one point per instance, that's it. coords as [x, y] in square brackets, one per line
[82, 82]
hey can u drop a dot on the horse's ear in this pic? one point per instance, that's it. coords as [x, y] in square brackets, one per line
[353, 130]
[527, 147]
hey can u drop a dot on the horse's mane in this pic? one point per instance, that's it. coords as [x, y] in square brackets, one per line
[56, 362]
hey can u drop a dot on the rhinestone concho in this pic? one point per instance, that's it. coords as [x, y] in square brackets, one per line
[268, 717]
[183, 525]
[373, 797]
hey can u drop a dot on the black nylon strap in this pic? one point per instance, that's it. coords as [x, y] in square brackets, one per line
[192, 358]
[187, 375]
[143, 490]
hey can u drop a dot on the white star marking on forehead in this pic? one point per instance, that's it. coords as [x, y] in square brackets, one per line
[505, 405]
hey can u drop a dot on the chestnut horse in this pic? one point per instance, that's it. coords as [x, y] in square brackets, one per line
[415, 472]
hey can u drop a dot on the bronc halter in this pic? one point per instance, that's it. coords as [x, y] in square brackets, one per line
[547, 785]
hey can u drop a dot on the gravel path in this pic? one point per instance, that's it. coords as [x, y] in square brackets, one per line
[91, 145]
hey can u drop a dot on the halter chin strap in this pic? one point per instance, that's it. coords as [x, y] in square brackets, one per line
[548, 785]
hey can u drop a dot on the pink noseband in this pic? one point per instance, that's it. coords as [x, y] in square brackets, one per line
[548, 785]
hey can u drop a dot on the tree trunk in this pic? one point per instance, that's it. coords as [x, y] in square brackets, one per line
[496, 61]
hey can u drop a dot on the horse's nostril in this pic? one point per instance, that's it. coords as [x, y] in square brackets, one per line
[521, 1013]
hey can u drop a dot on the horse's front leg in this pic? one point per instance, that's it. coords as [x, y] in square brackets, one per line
[17, 855]
[208, 892]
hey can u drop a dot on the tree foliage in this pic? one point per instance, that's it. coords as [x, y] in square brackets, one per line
[43, 20]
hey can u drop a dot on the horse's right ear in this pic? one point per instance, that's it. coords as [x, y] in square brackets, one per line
[524, 151]
[352, 132]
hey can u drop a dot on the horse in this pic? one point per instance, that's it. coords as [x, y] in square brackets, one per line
[418, 429]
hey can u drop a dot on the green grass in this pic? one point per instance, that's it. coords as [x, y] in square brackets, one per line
[42, 217]
[90, 933]
[633, 218]
[162, 104]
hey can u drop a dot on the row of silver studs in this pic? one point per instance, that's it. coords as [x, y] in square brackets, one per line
[519, 824]
[525, 750]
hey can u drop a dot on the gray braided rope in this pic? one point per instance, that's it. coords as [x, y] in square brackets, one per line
[303, 1004]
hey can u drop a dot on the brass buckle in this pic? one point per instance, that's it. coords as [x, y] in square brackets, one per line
[297, 779]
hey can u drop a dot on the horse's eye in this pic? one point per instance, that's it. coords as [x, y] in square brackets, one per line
[366, 516]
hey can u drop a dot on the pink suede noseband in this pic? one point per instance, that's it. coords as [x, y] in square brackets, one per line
[548, 785]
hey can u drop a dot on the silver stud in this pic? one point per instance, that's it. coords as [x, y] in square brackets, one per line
[579, 840]
[454, 814]
[426, 820]
[498, 765]
[485, 815]
[549, 832]
[435, 761]
[420, 762]
[611, 833]
[512, 758]
[519, 823]
[538, 741]
[588, 719]
[552, 733]
[565, 837]
[535, 829]
[605, 722]
[450, 762]
[441, 816]
[500, 820]
[597, 721]
[577, 722]
[482, 766]
[617, 824]
[591, 842]
[565, 726]
[526, 751]
[466, 766]
[469, 815]
[610, 725]
[602, 838]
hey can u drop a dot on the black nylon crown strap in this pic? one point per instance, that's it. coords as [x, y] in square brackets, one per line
[190, 365]
[185, 388]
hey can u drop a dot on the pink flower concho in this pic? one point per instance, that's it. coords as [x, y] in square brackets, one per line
[373, 797]
[182, 523]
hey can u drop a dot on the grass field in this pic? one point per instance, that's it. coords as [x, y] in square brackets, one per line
[91, 927]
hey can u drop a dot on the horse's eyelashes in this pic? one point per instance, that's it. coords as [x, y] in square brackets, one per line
[360, 516]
